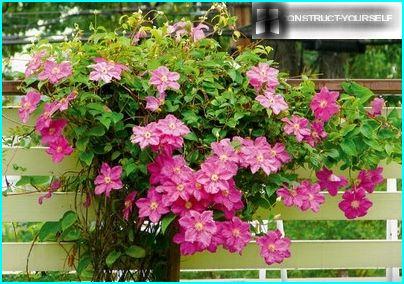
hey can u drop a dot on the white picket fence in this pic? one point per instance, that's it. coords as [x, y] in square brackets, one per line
[306, 254]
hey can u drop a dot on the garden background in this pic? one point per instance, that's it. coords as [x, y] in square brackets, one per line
[23, 23]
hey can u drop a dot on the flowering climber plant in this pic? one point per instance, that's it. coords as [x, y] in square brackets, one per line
[179, 140]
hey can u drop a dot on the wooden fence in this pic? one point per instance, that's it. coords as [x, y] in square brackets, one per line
[306, 254]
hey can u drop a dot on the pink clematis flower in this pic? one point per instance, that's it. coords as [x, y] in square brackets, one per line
[235, 234]
[53, 132]
[108, 179]
[63, 103]
[225, 151]
[377, 106]
[171, 125]
[298, 126]
[317, 134]
[263, 76]
[197, 33]
[324, 104]
[128, 205]
[354, 203]
[214, 176]
[173, 189]
[369, 179]
[294, 196]
[46, 117]
[104, 70]
[145, 135]
[59, 148]
[199, 227]
[55, 72]
[163, 79]
[257, 155]
[273, 247]
[278, 151]
[154, 103]
[152, 206]
[313, 197]
[177, 28]
[176, 167]
[29, 104]
[327, 180]
[186, 248]
[230, 197]
[272, 101]
[182, 207]
[35, 63]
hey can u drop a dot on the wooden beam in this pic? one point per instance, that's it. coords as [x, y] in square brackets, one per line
[378, 86]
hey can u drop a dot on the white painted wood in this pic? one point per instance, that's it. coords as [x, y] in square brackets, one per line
[392, 273]
[313, 254]
[25, 208]
[284, 272]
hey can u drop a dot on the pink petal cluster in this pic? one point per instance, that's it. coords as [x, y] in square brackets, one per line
[263, 76]
[305, 196]
[55, 72]
[178, 29]
[273, 247]
[235, 234]
[105, 70]
[369, 179]
[354, 203]
[329, 181]
[138, 36]
[259, 154]
[108, 179]
[377, 105]
[154, 103]
[197, 33]
[298, 126]
[324, 104]
[128, 205]
[152, 206]
[28, 104]
[198, 228]
[163, 79]
[317, 134]
[272, 101]
[55, 185]
[166, 134]
[35, 63]
[59, 148]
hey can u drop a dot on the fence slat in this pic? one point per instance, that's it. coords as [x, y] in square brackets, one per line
[378, 86]
[305, 255]
[25, 208]
[37, 162]
[313, 254]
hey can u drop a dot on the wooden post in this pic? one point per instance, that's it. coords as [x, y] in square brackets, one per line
[173, 269]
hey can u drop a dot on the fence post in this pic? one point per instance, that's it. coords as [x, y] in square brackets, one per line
[392, 273]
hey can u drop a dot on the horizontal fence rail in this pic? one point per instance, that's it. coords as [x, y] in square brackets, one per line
[378, 86]
[25, 208]
[313, 254]
[35, 162]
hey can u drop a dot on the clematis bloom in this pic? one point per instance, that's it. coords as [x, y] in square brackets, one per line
[108, 179]
[28, 104]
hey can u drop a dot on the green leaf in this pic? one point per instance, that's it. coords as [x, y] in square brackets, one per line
[40, 180]
[112, 257]
[68, 219]
[166, 221]
[97, 131]
[136, 252]
[81, 143]
[71, 234]
[48, 229]
[84, 262]
[24, 180]
[349, 147]
[86, 157]
[191, 136]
